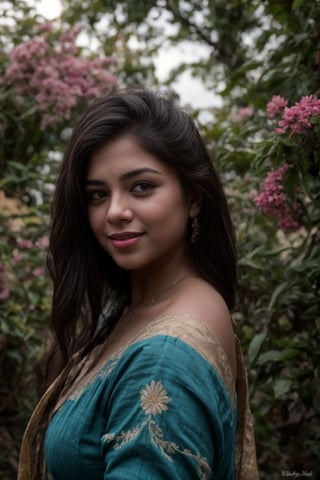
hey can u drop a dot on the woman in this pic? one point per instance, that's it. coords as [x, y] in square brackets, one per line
[151, 382]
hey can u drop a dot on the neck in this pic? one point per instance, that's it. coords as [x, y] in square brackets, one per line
[148, 287]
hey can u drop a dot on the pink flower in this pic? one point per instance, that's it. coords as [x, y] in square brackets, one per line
[16, 256]
[42, 242]
[273, 200]
[4, 292]
[276, 105]
[55, 76]
[45, 27]
[297, 119]
[28, 51]
[69, 36]
[24, 243]
[279, 131]
[243, 113]
[38, 272]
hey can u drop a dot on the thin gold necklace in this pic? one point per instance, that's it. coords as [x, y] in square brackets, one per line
[150, 302]
[157, 297]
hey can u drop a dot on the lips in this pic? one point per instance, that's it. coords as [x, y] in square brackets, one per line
[125, 240]
[124, 235]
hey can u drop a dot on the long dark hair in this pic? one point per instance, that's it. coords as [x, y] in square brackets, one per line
[85, 277]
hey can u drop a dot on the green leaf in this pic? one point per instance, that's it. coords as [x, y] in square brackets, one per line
[276, 293]
[255, 345]
[315, 120]
[15, 355]
[252, 259]
[250, 262]
[271, 356]
[297, 4]
[275, 253]
[281, 387]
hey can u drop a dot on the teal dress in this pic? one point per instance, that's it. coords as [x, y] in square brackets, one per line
[163, 407]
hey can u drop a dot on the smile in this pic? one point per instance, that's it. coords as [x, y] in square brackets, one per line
[125, 239]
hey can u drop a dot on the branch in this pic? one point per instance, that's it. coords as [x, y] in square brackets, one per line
[191, 26]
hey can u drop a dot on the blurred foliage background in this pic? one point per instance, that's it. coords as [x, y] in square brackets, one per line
[263, 60]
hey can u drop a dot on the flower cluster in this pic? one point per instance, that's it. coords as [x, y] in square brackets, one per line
[55, 76]
[273, 201]
[243, 112]
[296, 119]
[27, 258]
[26, 244]
[276, 105]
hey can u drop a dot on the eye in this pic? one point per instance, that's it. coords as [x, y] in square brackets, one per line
[96, 195]
[142, 187]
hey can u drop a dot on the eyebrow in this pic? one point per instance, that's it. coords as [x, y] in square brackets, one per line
[127, 175]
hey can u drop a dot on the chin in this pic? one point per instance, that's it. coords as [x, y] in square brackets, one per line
[129, 265]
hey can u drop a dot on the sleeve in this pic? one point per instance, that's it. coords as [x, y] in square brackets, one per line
[168, 415]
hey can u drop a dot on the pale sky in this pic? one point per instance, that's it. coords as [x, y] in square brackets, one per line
[191, 90]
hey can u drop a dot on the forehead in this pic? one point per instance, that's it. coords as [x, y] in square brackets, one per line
[121, 155]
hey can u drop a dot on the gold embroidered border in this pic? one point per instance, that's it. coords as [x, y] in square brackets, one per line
[178, 325]
[198, 336]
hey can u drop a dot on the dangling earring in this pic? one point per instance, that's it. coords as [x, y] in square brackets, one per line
[195, 229]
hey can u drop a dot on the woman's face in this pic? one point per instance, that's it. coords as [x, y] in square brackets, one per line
[137, 209]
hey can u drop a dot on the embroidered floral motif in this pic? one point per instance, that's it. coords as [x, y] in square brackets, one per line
[154, 401]
[123, 437]
[154, 398]
[92, 377]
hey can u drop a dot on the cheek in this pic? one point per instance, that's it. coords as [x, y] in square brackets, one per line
[171, 214]
[95, 220]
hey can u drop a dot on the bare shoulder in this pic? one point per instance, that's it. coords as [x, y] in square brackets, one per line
[199, 299]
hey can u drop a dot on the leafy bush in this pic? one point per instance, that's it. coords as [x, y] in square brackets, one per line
[25, 292]
[45, 82]
[273, 184]
[285, 355]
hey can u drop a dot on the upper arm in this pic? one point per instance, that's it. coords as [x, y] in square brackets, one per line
[201, 301]
[168, 416]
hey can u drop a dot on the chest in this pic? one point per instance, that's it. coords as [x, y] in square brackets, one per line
[72, 443]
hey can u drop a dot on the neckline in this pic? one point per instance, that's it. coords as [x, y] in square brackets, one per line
[147, 332]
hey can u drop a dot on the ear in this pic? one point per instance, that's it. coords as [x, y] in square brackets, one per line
[194, 209]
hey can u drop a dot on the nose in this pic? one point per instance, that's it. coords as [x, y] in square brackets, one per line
[118, 209]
